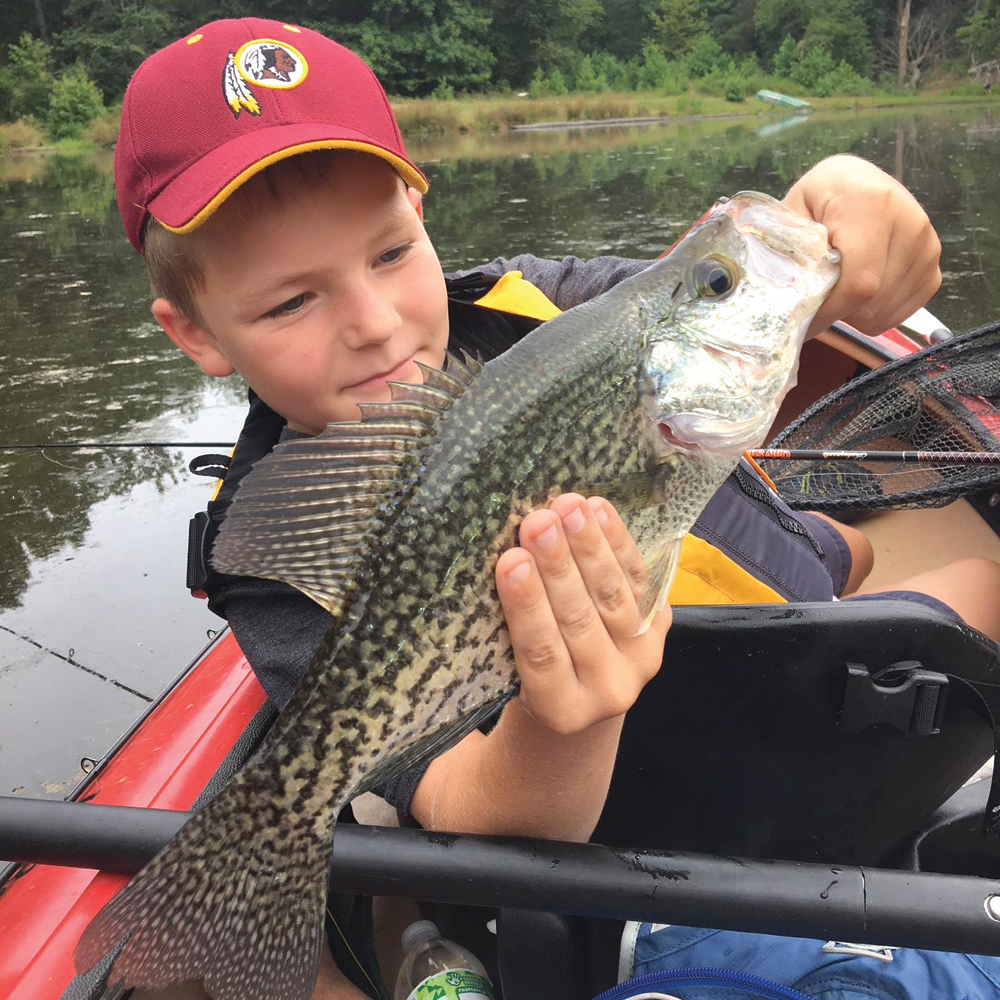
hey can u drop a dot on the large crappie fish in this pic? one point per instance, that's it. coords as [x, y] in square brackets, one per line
[646, 395]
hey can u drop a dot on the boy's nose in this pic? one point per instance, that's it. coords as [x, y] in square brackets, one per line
[370, 316]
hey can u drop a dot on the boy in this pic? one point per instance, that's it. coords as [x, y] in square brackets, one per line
[313, 278]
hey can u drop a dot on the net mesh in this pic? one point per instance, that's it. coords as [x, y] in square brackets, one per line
[943, 398]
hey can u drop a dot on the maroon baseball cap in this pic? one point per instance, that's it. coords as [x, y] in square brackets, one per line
[203, 115]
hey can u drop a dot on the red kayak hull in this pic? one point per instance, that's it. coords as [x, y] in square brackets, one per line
[163, 764]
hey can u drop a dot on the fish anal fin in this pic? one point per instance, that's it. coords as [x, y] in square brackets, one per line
[660, 572]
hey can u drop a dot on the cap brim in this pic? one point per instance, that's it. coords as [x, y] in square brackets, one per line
[193, 195]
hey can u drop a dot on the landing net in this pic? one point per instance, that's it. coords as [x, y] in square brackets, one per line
[943, 398]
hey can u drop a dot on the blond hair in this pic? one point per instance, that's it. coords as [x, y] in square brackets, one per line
[176, 273]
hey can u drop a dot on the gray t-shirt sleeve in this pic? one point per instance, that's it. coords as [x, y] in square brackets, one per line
[566, 282]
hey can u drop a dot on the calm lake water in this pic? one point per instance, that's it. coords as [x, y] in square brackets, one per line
[94, 617]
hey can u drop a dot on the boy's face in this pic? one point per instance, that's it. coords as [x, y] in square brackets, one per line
[318, 295]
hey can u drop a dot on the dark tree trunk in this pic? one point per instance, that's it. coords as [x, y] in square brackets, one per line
[42, 33]
[903, 20]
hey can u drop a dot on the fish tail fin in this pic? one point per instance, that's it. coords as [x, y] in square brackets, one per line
[239, 910]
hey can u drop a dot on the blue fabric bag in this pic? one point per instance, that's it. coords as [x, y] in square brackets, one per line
[800, 967]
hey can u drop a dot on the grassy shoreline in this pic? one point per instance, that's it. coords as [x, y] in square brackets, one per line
[493, 114]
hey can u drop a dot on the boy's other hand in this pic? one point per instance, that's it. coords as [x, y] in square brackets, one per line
[570, 596]
[889, 249]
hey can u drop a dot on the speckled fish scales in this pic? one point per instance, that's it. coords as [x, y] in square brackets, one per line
[394, 523]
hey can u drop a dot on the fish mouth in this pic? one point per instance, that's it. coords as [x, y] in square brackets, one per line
[711, 432]
[668, 435]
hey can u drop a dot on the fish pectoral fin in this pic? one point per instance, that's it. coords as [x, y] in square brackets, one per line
[661, 569]
[434, 743]
[303, 515]
[629, 494]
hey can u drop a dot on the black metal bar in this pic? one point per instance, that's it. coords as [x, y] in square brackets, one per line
[943, 912]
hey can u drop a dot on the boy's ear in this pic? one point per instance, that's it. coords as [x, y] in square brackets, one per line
[197, 343]
[416, 200]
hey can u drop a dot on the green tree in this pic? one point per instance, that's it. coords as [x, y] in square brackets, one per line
[838, 27]
[678, 23]
[417, 48]
[557, 27]
[979, 36]
[74, 101]
[812, 66]
[586, 78]
[784, 56]
[654, 69]
[111, 39]
[621, 28]
[706, 54]
[555, 82]
[731, 24]
[775, 19]
[26, 80]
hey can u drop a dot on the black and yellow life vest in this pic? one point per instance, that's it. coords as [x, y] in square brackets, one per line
[487, 316]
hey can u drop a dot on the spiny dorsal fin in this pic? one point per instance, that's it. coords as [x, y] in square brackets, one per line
[303, 513]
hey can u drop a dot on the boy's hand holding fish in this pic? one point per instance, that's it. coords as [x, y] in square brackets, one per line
[889, 250]
[570, 595]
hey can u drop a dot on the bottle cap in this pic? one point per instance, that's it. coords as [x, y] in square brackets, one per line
[420, 930]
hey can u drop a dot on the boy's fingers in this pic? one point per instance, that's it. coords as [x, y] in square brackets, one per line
[622, 544]
[607, 589]
[542, 534]
[864, 258]
[543, 662]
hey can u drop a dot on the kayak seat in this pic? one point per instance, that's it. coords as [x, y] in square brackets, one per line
[951, 841]
[807, 732]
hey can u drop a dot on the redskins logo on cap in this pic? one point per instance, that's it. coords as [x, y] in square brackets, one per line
[263, 62]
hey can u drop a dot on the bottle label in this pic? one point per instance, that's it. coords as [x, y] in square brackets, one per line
[452, 985]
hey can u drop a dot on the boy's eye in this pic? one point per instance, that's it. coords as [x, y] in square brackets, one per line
[396, 253]
[287, 307]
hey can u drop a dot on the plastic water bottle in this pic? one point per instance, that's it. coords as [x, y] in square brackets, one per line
[435, 968]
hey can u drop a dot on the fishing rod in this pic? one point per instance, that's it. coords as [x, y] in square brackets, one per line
[766, 454]
[117, 444]
[905, 457]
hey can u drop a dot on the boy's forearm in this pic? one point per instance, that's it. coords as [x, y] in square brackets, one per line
[521, 780]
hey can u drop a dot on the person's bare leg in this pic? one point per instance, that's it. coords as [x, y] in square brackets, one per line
[862, 553]
[331, 984]
[971, 587]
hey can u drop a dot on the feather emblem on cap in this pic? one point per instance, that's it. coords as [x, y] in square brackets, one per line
[237, 93]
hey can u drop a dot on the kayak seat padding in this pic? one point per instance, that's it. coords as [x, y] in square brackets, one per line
[737, 746]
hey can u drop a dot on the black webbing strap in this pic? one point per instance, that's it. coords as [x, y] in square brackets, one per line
[986, 699]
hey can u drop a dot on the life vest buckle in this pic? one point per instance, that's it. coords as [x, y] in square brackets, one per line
[197, 557]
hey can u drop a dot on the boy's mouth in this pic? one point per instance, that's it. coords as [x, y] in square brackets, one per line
[373, 380]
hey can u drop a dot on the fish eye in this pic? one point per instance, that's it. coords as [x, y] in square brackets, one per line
[713, 276]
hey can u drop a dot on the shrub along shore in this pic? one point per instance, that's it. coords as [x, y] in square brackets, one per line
[496, 113]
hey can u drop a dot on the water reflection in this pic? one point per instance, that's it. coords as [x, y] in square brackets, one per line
[93, 543]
